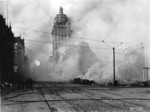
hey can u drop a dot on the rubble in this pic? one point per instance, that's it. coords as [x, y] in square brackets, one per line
[83, 81]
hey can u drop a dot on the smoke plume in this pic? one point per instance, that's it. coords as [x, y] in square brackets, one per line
[109, 20]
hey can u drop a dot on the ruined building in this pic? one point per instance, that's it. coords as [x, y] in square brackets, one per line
[61, 33]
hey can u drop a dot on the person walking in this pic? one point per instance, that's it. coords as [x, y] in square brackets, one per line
[27, 83]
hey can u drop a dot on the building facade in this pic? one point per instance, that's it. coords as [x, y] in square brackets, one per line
[6, 51]
[146, 72]
[19, 55]
[12, 54]
[61, 32]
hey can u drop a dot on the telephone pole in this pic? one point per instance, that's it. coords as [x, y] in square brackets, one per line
[114, 74]
[7, 12]
[114, 81]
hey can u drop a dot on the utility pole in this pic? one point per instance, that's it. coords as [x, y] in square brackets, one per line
[7, 12]
[114, 81]
[114, 75]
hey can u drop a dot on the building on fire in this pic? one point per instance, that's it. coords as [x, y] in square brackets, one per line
[61, 33]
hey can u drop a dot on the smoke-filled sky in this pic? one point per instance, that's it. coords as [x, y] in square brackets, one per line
[124, 21]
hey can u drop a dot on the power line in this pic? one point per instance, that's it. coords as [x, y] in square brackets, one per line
[66, 44]
[113, 42]
[122, 51]
[114, 65]
[135, 46]
[30, 29]
[111, 46]
[50, 33]
[36, 41]
[73, 36]
[79, 38]
[7, 12]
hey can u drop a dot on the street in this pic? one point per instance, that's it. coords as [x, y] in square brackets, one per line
[50, 97]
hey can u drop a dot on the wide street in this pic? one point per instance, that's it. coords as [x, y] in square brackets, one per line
[50, 97]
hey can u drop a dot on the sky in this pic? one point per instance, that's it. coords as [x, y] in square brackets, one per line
[118, 21]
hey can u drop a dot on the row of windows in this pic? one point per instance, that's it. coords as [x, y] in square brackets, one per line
[61, 32]
[62, 27]
[58, 44]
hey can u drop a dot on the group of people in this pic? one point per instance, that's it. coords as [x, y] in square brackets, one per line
[28, 84]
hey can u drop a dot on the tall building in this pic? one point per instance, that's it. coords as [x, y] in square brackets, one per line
[61, 32]
[19, 55]
[6, 51]
[12, 50]
[146, 72]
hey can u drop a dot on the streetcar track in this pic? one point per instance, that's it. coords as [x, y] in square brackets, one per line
[97, 100]
[33, 101]
[66, 100]
[106, 98]
[112, 105]
[88, 96]
[46, 101]
[124, 98]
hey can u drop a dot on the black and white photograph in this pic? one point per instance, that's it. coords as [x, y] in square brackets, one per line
[74, 55]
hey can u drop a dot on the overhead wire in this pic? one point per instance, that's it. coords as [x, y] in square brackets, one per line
[135, 46]
[111, 46]
[102, 41]
[65, 44]
[29, 29]
[122, 51]
[72, 36]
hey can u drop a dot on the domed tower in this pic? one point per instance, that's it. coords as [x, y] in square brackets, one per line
[61, 32]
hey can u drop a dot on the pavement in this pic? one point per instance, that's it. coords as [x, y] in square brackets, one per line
[50, 97]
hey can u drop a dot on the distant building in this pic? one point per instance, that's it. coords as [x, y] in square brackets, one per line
[19, 55]
[26, 67]
[51, 63]
[12, 54]
[146, 74]
[61, 32]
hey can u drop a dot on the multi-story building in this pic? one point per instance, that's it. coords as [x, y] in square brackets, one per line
[61, 32]
[12, 53]
[19, 55]
[146, 72]
[6, 51]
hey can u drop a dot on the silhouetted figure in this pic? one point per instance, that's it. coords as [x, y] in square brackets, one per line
[22, 85]
[18, 84]
[27, 83]
[31, 83]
